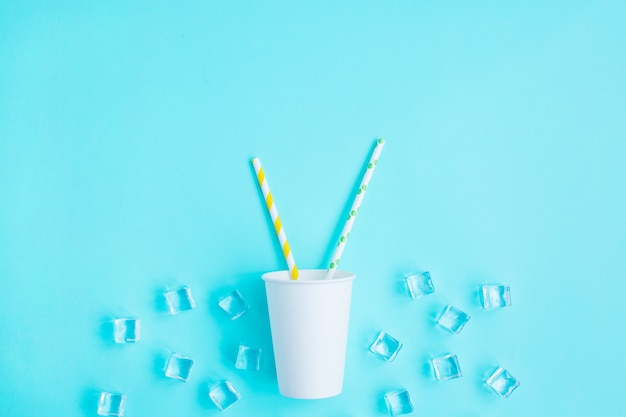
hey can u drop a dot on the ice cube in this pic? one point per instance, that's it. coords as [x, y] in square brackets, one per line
[502, 382]
[178, 367]
[179, 300]
[126, 330]
[385, 346]
[234, 305]
[399, 403]
[452, 319]
[224, 395]
[495, 296]
[248, 358]
[419, 285]
[111, 404]
[446, 367]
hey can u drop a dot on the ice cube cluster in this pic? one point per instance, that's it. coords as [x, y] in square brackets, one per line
[452, 320]
[385, 346]
[178, 366]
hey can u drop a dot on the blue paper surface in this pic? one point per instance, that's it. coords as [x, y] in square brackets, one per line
[126, 132]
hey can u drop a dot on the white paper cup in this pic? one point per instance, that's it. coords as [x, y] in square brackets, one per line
[309, 321]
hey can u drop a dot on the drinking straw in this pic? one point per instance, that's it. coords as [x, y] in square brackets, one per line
[278, 226]
[358, 199]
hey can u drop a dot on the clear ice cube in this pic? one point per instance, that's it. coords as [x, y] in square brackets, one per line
[495, 296]
[420, 284]
[385, 346]
[452, 319]
[399, 403]
[179, 300]
[178, 367]
[234, 305]
[126, 330]
[110, 404]
[446, 367]
[502, 382]
[248, 358]
[224, 395]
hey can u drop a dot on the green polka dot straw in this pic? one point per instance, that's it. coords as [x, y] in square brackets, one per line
[358, 199]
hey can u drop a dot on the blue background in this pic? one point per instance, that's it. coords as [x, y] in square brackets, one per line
[126, 130]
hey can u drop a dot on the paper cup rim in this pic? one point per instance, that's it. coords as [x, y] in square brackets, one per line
[283, 277]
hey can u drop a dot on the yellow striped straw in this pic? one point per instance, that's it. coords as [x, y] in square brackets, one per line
[356, 204]
[278, 226]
